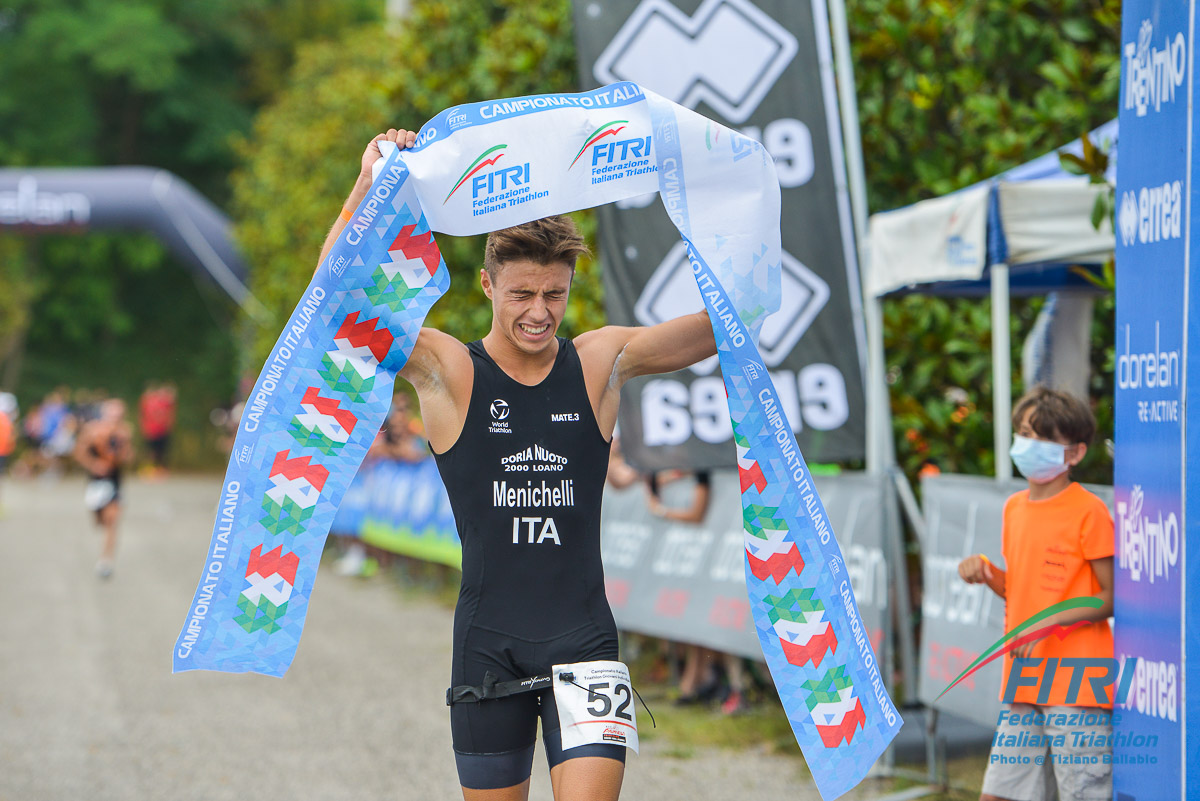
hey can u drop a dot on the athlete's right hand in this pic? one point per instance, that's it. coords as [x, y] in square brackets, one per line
[401, 137]
[975, 569]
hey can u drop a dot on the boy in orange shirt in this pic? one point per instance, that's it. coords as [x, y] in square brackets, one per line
[1057, 544]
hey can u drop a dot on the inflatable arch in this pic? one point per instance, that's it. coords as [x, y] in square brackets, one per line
[74, 199]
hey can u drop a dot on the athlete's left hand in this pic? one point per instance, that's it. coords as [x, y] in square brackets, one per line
[403, 139]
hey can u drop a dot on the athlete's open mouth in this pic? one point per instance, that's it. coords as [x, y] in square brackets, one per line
[534, 331]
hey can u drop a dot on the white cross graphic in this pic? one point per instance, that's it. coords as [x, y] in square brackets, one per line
[327, 424]
[830, 713]
[773, 545]
[360, 358]
[274, 587]
[298, 489]
[803, 631]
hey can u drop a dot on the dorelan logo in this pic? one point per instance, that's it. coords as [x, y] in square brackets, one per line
[607, 129]
[478, 164]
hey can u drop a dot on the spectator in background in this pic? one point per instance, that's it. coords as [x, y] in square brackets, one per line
[401, 436]
[8, 432]
[156, 418]
[1057, 544]
[399, 439]
[58, 428]
[87, 404]
[621, 474]
[699, 681]
[104, 447]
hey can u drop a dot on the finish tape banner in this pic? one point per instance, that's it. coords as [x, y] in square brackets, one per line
[326, 387]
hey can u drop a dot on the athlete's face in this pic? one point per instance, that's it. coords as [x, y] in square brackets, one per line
[528, 301]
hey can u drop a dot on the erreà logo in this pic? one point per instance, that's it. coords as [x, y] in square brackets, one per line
[484, 159]
[671, 292]
[607, 129]
[728, 54]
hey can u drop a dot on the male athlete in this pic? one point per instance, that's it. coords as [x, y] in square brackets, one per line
[105, 446]
[520, 423]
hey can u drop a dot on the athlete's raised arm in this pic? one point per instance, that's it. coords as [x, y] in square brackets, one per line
[403, 138]
[614, 354]
[441, 371]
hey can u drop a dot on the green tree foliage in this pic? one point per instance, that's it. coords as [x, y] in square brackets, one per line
[99, 82]
[303, 155]
[951, 93]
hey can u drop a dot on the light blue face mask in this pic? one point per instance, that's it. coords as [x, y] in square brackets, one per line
[1038, 460]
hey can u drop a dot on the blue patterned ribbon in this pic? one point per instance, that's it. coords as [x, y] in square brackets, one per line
[326, 387]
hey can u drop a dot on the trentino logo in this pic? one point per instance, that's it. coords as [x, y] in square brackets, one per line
[481, 161]
[728, 54]
[607, 129]
[1153, 75]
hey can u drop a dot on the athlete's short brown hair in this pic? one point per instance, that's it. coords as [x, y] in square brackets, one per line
[1056, 415]
[550, 240]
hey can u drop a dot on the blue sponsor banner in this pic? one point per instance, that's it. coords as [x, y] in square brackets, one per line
[1152, 255]
[408, 512]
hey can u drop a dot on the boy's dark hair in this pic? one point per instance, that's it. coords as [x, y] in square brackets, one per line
[550, 240]
[1056, 415]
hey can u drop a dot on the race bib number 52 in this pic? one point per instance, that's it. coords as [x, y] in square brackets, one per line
[595, 704]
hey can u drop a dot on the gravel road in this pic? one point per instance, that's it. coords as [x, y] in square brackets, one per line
[89, 708]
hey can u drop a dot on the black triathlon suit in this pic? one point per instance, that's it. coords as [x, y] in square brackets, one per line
[525, 481]
[113, 475]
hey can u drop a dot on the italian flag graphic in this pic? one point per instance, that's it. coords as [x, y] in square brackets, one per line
[322, 424]
[296, 485]
[413, 260]
[359, 347]
[767, 550]
[799, 621]
[749, 473]
[269, 581]
[835, 709]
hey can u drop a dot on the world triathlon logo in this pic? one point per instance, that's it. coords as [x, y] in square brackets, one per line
[1035, 629]
[487, 158]
[500, 409]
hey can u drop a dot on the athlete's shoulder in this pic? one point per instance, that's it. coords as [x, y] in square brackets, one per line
[602, 344]
[437, 350]
[439, 362]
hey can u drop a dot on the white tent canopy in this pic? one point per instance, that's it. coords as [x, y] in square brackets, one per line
[1024, 228]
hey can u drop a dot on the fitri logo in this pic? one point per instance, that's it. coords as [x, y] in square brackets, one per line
[728, 54]
[500, 409]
